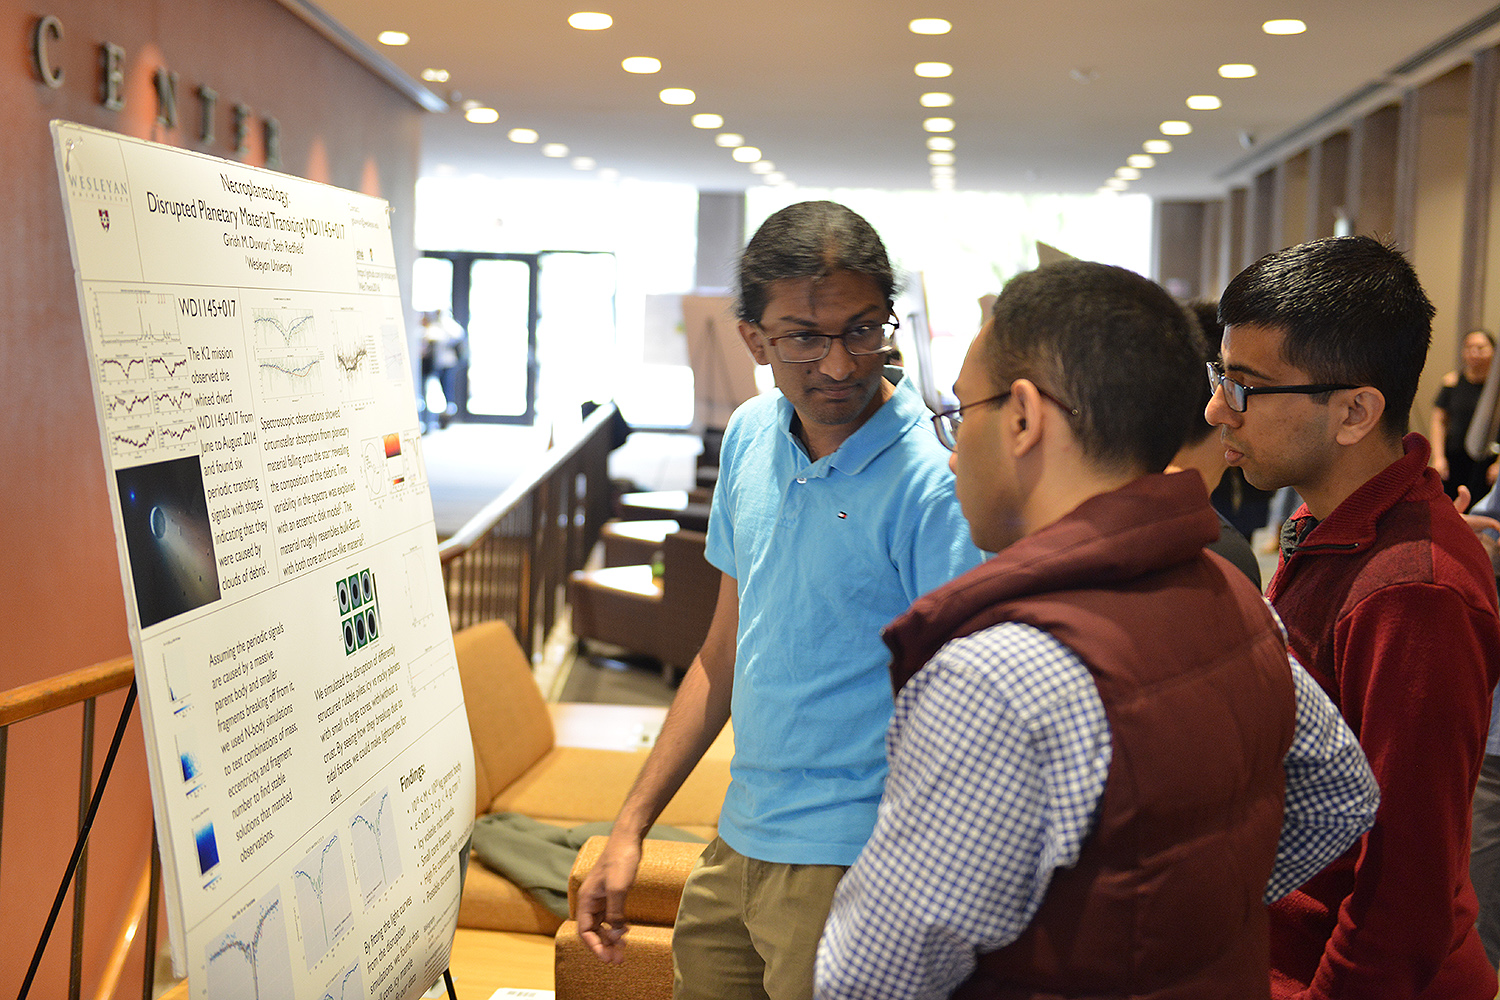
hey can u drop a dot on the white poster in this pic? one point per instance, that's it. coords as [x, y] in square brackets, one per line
[309, 751]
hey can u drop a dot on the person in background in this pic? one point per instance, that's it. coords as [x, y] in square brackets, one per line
[1102, 760]
[1452, 412]
[1201, 451]
[444, 339]
[1389, 601]
[834, 510]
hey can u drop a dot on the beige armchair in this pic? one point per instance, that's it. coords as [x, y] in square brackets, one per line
[650, 910]
[520, 768]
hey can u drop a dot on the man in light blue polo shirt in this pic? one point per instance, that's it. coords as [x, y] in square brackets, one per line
[834, 510]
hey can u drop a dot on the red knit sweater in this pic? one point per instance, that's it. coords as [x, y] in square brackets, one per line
[1390, 604]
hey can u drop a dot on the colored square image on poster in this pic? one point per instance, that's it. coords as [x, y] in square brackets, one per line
[358, 593]
[168, 538]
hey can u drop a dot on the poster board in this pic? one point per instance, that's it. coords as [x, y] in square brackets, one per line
[310, 762]
[723, 370]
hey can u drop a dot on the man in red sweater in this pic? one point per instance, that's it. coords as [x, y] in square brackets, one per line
[1389, 601]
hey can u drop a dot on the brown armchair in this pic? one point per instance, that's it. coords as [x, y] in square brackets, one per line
[626, 606]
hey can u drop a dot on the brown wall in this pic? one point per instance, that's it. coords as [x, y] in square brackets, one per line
[60, 588]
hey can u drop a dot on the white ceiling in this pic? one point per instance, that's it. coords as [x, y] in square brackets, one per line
[825, 88]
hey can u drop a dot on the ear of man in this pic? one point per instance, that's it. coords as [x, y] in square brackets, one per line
[1357, 413]
[1029, 416]
[755, 342]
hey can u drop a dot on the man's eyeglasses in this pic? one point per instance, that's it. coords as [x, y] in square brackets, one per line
[946, 422]
[1238, 396]
[808, 345]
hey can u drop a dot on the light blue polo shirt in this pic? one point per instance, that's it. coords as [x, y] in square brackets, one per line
[825, 555]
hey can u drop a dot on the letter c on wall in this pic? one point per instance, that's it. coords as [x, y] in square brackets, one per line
[48, 27]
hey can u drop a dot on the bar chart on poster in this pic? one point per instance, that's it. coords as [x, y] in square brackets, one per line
[298, 688]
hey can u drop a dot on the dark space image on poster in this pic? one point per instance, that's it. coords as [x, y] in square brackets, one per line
[168, 538]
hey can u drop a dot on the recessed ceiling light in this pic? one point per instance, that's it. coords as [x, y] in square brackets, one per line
[524, 135]
[640, 64]
[1236, 71]
[1157, 146]
[677, 95]
[930, 26]
[941, 143]
[762, 167]
[940, 159]
[944, 183]
[943, 171]
[482, 116]
[746, 154]
[729, 140]
[1284, 26]
[1141, 161]
[556, 150]
[1116, 184]
[584, 163]
[608, 174]
[1128, 174]
[937, 100]
[775, 177]
[938, 125]
[435, 75]
[708, 121]
[1176, 128]
[1204, 102]
[587, 20]
[393, 38]
[934, 70]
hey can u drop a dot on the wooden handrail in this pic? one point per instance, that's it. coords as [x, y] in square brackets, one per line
[29, 700]
[536, 471]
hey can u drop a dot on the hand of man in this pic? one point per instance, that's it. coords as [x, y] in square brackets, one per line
[1476, 522]
[601, 899]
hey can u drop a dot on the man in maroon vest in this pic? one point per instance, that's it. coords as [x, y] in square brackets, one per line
[1389, 601]
[1095, 731]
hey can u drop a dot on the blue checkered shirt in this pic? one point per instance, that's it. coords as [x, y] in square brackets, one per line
[999, 750]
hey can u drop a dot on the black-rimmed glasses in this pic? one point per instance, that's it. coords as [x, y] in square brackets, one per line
[946, 422]
[1238, 396]
[808, 345]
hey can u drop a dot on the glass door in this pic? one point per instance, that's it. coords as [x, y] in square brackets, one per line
[502, 364]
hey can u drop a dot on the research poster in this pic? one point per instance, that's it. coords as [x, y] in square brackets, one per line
[310, 759]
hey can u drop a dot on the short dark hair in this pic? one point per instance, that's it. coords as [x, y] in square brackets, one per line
[1350, 310]
[811, 239]
[1114, 345]
[1206, 312]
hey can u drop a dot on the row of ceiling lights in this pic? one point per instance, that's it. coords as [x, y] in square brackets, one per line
[1152, 148]
[642, 65]
[940, 142]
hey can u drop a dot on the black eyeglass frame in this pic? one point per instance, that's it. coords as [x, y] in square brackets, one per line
[1237, 396]
[888, 341]
[946, 422]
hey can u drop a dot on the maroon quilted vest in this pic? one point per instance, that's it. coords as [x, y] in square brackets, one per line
[1165, 900]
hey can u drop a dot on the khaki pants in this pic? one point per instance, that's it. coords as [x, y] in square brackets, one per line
[748, 929]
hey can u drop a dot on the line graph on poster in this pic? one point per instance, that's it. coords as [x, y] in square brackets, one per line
[130, 370]
[355, 357]
[251, 960]
[285, 374]
[141, 443]
[133, 317]
[324, 910]
[372, 832]
[283, 328]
